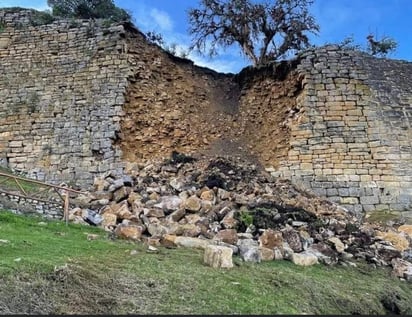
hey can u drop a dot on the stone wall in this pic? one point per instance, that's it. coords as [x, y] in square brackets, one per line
[353, 143]
[62, 90]
[22, 205]
[79, 98]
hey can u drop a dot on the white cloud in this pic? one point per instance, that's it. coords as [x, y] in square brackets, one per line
[162, 19]
[222, 65]
[152, 19]
[40, 5]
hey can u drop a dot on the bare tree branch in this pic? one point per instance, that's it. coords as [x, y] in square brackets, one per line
[264, 31]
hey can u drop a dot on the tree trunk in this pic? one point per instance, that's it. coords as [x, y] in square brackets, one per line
[249, 53]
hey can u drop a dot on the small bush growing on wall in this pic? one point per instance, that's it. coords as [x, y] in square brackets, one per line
[2, 26]
[41, 18]
[381, 47]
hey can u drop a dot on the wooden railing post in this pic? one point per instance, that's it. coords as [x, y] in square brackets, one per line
[62, 190]
[66, 206]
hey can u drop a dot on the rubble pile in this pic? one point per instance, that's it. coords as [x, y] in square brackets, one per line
[229, 207]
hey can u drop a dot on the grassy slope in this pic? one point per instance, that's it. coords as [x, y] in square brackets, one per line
[103, 277]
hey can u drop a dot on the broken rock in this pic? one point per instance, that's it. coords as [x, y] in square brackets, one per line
[189, 242]
[398, 240]
[271, 239]
[338, 244]
[227, 236]
[406, 229]
[292, 237]
[169, 203]
[249, 250]
[193, 203]
[402, 269]
[129, 232]
[304, 258]
[218, 256]
[266, 254]
[109, 220]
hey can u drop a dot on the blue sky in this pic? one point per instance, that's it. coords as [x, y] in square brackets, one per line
[337, 19]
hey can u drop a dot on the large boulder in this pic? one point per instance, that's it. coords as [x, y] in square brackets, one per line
[304, 258]
[398, 240]
[271, 239]
[227, 236]
[324, 253]
[292, 237]
[249, 250]
[157, 230]
[129, 232]
[338, 244]
[407, 229]
[169, 203]
[218, 256]
[229, 221]
[109, 220]
[402, 269]
[266, 254]
[189, 242]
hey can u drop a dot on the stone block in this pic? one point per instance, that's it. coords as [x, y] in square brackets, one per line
[344, 192]
[369, 200]
[271, 239]
[349, 200]
[218, 256]
[331, 192]
[368, 208]
[266, 254]
[304, 259]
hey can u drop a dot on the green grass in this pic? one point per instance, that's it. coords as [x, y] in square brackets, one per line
[42, 244]
[385, 217]
[10, 185]
[102, 276]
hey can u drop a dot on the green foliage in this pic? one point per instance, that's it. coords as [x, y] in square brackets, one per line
[348, 43]
[352, 228]
[2, 26]
[155, 38]
[89, 9]
[74, 23]
[265, 31]
[41, 18]
[246, 218]
[172, 48]
[382, 47]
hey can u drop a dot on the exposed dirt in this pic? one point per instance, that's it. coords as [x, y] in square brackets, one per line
[174, 105]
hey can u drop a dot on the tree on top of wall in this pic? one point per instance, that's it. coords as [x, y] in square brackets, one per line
[264, 31]
[89, 9]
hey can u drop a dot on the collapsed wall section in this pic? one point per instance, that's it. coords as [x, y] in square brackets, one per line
[354, 141]
[172, 105]
[62, 90]
[80, 98]
[266, 106]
